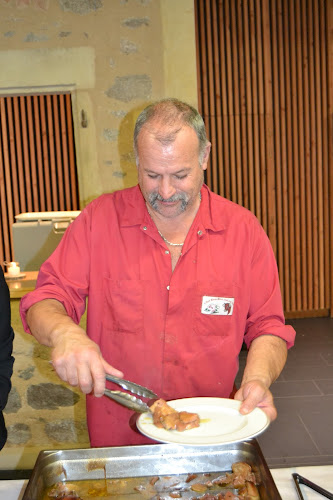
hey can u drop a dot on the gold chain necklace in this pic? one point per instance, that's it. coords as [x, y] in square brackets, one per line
[169, 242]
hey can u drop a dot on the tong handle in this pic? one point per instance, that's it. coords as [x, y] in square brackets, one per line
[127, 400]
[302, 480]
[132, 386]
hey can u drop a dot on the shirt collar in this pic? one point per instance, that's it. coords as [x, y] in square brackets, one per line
[135, 210]
[211, 216]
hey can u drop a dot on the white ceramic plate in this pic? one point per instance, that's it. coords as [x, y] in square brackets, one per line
[220, 423]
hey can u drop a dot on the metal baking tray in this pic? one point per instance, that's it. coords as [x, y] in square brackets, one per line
[147, 460]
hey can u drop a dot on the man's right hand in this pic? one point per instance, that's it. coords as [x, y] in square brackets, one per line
[78, 361]
[75, 357]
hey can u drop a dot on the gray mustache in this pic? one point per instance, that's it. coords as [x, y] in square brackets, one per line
[176, 197]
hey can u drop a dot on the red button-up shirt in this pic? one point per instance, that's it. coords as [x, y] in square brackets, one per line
[178, 333]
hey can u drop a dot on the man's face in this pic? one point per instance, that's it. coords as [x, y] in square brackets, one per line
[170, 176]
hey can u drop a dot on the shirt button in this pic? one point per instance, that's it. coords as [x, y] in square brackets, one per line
[168, 287]
[167, 251]
[199, 233]
[144, 228]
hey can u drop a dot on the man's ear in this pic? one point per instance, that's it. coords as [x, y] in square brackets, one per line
[206, 156]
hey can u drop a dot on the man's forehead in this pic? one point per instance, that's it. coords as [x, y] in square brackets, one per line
[166, 134]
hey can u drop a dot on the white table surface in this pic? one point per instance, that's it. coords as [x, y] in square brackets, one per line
[321, 475]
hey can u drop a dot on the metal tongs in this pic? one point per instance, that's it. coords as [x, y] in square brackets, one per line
[298, 479]
[126, 399]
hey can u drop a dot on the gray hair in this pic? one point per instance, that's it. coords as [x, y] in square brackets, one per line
[173, 114]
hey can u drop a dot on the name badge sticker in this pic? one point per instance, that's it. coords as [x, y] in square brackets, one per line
[218, 306]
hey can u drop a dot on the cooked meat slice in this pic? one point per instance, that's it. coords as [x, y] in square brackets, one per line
[164, 416]
[241, 468]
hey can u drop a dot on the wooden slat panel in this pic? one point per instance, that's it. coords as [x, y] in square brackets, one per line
[4, 172]
[64, 149]
[329, 56]
[39, 153]
[74, 193]
[32, 151]
[51, 149]
[26, 159]
[302, 291]
[45, 152]
[18, 168]
[37, 160]
[6, 193]
[273, 151]
[225, 151]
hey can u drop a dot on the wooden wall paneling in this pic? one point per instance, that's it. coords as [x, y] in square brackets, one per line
[32, 152]
[299, 116]
[272, 84]
[37, 159]
[324, 126]
[74, 194]
[231, 91]
[211, 61]
[249, 198]
[6, 192]
[294, 160]
[307, 191]
[289, 179]
[4, 180]
[64, 150]
[284, 153]
[270, 194]
[235, 61]
[277, 143]
[225, 181]
[241, 147]
[51, 151]
[39, 153]
[255, 116]
[45, 152]
[17, 163]
[313, 154]
[58, 155]
[261, 114]
[320, 89]
[202, 70]
[329, 227]
[216, 106]
[26, 157]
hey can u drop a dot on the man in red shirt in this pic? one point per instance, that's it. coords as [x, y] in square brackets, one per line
[177, 279]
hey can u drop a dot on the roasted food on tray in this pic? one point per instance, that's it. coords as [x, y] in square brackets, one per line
[239, 484]
[170, 419]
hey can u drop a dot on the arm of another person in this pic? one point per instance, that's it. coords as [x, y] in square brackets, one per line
[265, 360]
[75, 357]
[6, 349]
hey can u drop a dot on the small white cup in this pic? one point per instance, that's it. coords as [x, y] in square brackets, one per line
[13, 268]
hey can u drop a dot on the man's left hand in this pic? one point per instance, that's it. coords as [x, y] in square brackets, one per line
[255, 394]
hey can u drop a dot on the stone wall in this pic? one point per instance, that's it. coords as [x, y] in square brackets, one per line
[42, 412]
[114, 56]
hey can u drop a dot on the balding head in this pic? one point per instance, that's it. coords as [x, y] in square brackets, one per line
[165, 118]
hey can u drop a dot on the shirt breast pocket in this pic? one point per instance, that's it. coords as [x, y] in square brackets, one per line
[216, 306]
[123, 305]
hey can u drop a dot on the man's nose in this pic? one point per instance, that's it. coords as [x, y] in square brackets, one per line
[166, 190]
